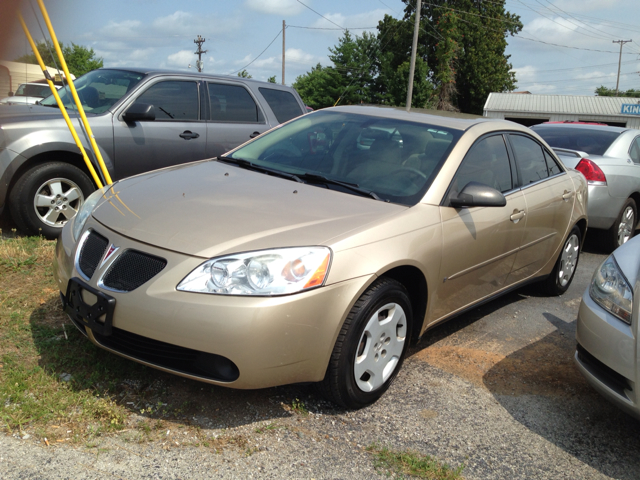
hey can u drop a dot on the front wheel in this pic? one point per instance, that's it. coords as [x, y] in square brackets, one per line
[46, 196]
[624, 226]
[565, 268]
[370, 347]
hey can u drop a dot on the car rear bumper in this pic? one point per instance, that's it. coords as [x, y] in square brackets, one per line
[606, 355]
[271, 340]
[602, 208]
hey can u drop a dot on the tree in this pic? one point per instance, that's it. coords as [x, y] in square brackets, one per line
[271, 79]
[244, 74]
[478, 62]
[79, 59]
[321, 87]
[603, 91]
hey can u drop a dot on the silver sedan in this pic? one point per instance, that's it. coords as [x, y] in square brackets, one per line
[607, 330]
[609, 158]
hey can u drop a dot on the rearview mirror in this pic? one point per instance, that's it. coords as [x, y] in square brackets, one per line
[476, 194]
[139, 112]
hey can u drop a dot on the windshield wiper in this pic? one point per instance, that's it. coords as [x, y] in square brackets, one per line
[241, 162]
[354, 187]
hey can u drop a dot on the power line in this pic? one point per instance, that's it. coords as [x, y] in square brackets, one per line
[328, 28]
[274, 39]
[330, 21]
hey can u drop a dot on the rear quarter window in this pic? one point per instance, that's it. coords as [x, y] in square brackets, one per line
[284, 104]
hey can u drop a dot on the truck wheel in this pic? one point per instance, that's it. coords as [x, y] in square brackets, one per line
[624, 227]
[46, 196]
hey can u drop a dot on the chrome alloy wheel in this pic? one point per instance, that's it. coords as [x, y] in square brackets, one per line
[568, 259]
[627, 225]
[57, 200]
[380, 347]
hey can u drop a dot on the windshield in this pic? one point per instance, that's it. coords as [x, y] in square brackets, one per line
[98, 90]
[589, 140]
[396, 160]
[29, 90]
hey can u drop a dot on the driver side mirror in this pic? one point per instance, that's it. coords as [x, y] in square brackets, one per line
[139, 112]
[476, 194]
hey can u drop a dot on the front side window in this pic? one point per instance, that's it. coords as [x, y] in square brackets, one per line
[232, 103]
[530, 160]
[173, 100]
[98, 90]
[486, 162]
[395, 160]
[283, 104]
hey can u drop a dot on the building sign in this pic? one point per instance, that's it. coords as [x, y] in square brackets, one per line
[630, 109]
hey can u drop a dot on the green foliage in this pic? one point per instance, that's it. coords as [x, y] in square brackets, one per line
[272, 79]
[79, 59]
[321, 87]
[413, 464]
[244, 74]
[603, 91]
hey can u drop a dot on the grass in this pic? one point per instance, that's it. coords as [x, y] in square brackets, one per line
[413, 464]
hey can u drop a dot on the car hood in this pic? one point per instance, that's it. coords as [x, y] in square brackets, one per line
[208, 208]
[20, 112]
[627, 258]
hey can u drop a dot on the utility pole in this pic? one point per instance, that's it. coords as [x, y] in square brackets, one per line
[621, 42]
[414, 47]
[283, 28]
[199, 41]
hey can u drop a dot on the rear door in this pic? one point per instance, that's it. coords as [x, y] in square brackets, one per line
[177, 135]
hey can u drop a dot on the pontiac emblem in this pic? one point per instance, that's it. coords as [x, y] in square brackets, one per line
[112, 249]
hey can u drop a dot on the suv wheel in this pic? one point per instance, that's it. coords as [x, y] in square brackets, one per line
[46, 196]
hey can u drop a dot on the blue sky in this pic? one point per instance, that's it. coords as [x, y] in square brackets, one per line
[565, 47]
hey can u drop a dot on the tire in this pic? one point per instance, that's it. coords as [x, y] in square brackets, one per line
[370, 347]
[624, 226]
[46, 196]
[564, 270]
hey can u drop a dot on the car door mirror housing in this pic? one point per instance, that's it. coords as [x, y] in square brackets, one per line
[476, 194]
[139, 112]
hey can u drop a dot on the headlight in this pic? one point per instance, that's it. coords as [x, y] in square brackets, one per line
[268, 272]
[85, 210]
[611, 291]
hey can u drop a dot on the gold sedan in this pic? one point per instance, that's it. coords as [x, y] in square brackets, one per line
[317, 251]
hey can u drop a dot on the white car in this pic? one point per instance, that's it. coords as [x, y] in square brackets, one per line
[607, 330]
[28, 93]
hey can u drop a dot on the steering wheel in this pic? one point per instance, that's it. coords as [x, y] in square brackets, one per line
[412, 170]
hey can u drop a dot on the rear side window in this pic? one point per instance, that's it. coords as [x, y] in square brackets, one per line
[173, 100]
[284, 105]
[589, 140]
[634, 151]
[232, 103]
[530, 159]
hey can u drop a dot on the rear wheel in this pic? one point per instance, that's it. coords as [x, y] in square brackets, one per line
[46, 196]
[560, 278]
[370, 347]
[624, 226]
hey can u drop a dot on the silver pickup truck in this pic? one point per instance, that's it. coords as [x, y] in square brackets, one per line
[142, 120]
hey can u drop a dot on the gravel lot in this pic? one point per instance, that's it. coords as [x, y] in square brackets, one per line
[495, 390]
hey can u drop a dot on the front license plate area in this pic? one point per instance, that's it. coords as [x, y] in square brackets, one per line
[97, 316]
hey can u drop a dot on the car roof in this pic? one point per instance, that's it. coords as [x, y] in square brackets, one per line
[160, 72]
[456, 121]
[580, 126]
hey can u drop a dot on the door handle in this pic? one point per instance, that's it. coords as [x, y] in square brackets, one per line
[517, 215]
[188, 135]
[255, 134]
[567, 195]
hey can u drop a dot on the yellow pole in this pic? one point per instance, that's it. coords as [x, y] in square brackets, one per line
[92, 170]
[92, 139]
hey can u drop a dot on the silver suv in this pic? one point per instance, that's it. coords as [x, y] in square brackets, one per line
[142, 120]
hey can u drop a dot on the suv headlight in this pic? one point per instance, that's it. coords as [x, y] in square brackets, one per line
[85, 210]
[611, 290]
[264, 273]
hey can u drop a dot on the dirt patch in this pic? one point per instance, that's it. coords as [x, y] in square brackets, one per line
[542, 368]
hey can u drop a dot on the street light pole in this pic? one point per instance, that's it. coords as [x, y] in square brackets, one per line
[199, 41]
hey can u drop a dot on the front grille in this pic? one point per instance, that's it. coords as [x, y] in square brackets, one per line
[172, 357]
[606, 375]
[132, 269]
[92, 251]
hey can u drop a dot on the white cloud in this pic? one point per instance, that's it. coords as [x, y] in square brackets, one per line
[276, 7]
[361, 20]
[585, 5]
[181, 59]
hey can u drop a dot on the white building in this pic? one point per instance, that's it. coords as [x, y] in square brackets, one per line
[12, 74]
[528, 109]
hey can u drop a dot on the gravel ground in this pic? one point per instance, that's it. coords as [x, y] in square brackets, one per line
[494, 390]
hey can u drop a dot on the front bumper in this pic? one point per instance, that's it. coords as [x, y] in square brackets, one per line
[606, 355]
[271, 340]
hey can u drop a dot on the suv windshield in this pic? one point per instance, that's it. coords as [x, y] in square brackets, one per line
[590, 140]
[98, 90]
[383, 158]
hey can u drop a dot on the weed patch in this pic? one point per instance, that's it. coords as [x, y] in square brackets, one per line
[413, 464]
